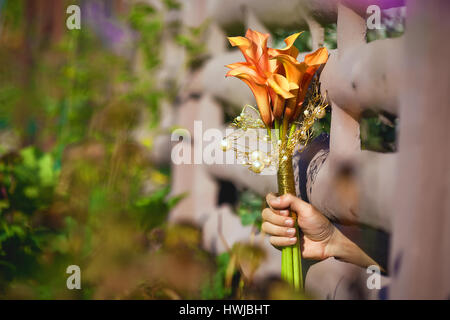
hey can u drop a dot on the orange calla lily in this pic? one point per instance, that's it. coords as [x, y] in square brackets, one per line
[294, 71]
[262, 98]
[300, 73]
[256, 70]
[280, 89]
[254, 49]
[278, 81]
[313, 61]
[256, 83]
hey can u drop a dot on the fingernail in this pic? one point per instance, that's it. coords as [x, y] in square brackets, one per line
[290, 231]
[289, 222]
[293, 240]
[284, 212]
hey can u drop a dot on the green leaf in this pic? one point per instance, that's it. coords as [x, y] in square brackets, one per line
[46, 172]
[172, 202]
[31, 192]
[29, 157]
[249, 209]
[216, 289]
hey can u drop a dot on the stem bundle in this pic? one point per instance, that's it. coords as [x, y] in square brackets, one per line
[291, 267]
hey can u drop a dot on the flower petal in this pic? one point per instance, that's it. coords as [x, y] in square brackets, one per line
[280, 85]
[294, 70]
[247, 47]
[238, 64]
[314, 61]
[249, 71]
[261, 96]
[290, 49]
[260, 39]
[239, 42]
[277, 104]
[318, 57]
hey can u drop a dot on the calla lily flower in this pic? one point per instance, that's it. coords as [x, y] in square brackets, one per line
[280, 89]
[255, 51]
[261, 93]
[313, 61]
[277, 80]
[256, 70]
[300, 73]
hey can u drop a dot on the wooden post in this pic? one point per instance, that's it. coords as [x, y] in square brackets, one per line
[420, 259]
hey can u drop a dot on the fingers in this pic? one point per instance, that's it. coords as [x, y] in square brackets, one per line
[287, 201]
[279, 219]
[269, 198]
[282, 241]
[277, 222]
[275, 230]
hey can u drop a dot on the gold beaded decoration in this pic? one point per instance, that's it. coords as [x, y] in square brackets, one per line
[271, 152]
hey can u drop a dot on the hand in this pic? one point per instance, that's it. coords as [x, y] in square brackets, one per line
[320, 239]
[317, 230]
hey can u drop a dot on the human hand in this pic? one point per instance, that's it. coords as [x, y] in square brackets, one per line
[317, 231]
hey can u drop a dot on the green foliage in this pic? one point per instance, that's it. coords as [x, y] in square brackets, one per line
[249, 209]
[193, 41]
[216, 288]
[330, 36]
[27, 183]
[172, 4]
[75, 176]
[148, 22]
[378, 133]
[153, 209]
[18, 250]
[322, 125]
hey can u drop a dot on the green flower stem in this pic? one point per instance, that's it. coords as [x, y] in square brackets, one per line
[298, 283]
[289, 266]
[269, 132]
[284, 130]
[291, 270]
[291, 131]
[277, 128]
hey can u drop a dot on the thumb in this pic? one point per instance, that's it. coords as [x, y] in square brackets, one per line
[288, 201]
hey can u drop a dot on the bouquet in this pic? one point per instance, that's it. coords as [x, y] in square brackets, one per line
[288, 103]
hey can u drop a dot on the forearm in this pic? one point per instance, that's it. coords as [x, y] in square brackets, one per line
[342, 248]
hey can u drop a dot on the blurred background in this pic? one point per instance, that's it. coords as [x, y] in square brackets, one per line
[85, 122]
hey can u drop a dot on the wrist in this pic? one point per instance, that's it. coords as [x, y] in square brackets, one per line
[342, 248]
[337, 245]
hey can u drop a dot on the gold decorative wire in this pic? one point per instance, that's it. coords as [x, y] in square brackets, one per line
[278, 154]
